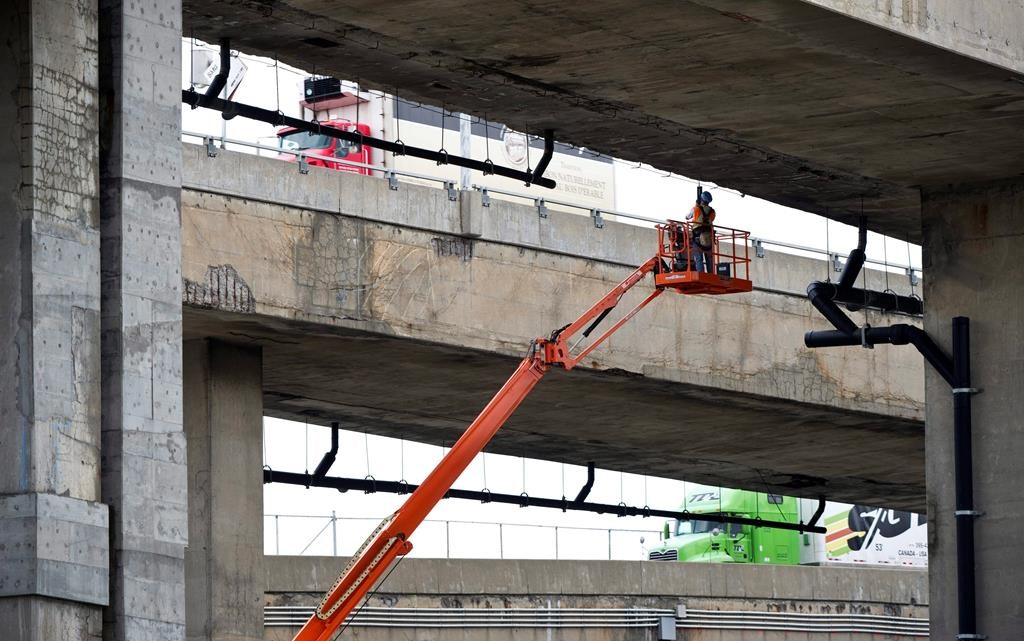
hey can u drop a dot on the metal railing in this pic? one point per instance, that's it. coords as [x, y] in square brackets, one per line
[328, 535]
[210, 142]
[914, 274]
[597, 214]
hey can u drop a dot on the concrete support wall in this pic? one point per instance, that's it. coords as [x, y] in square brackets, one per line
[224, 559]
[973, 237]
[144, 479]
[54, 556]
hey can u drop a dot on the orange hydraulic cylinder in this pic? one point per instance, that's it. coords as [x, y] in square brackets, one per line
[392, 540]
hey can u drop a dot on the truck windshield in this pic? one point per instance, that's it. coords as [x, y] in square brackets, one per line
[703, 527]
[299, 140]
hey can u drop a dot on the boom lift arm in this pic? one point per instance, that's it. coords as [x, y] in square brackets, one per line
[672, 270]
[391, 538]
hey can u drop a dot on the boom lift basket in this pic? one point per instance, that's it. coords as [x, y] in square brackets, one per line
[729, 253]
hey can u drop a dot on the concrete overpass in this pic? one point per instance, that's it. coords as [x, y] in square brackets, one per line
[782, 99]
[593, 601]
[402, 312]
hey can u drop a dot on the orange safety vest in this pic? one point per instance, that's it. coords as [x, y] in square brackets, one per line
[703, 234]
[703, 215]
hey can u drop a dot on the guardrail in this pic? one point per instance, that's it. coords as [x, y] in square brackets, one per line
[597, 214]
[446, 538]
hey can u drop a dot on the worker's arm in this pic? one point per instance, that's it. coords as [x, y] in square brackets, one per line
[391, 539]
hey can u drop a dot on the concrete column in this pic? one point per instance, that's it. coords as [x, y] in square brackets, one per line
[54, 552]
[224, 425]
[973, 238]
[144, 474]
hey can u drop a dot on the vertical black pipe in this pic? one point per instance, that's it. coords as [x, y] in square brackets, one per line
[856, 259]
[221, 79]
[963, 473]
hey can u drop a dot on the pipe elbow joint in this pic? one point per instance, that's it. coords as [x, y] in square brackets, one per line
[902, 334]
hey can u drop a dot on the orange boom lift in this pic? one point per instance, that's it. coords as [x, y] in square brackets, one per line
[672, 268]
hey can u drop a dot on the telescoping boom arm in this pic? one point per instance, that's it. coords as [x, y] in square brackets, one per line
[391, 538]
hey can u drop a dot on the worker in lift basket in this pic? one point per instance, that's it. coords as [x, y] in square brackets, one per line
[703, 232]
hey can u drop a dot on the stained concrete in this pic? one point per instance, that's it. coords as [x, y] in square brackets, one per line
[380, 316]
[973, 237]
[53, 531]
[781, 99]
[224, 425]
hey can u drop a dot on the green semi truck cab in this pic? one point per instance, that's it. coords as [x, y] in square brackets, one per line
[700, 540]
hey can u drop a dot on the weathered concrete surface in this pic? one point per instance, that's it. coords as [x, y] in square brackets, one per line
[224, 426]
[781, 99]
[973, 237]
[44, 619]
[703, 388]
[432, 583]
[54, 546]
[53, 533]
[989, 30]
[144, 477]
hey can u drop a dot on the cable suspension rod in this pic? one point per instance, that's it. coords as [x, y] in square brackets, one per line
[229, 109]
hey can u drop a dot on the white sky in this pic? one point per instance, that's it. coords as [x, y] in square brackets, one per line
[639, 190]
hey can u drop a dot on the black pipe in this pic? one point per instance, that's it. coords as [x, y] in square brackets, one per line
[221, 79]
[818, 512]
[395, 487]
[898, 334]
[856, 259]
[589, 485]
[227, 107]
[963, 474]
[822, 296]
[549, 150]
[856, 299]
[329, 457]
[825, 295]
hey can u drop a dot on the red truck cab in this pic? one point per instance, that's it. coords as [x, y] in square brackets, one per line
[332, 149]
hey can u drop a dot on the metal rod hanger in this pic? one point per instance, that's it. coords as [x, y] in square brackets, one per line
[524, 500]
[229, 109]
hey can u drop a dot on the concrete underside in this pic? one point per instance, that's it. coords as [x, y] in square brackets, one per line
[622, 421]
[780, 99]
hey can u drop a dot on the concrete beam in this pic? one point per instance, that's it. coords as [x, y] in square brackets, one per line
[224, 426]
[533, 584]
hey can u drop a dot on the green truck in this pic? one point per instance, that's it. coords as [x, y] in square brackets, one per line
[856, 534]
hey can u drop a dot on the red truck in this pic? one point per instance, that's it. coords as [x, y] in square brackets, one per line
[332, 149]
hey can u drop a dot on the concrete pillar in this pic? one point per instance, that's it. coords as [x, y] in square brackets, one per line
[144, 474]
[224, 425]
[54, 557]
[973, 239]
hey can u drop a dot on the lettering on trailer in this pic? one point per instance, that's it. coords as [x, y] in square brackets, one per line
[704, 496]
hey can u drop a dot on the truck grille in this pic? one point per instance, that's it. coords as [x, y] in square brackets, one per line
[667, 555]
